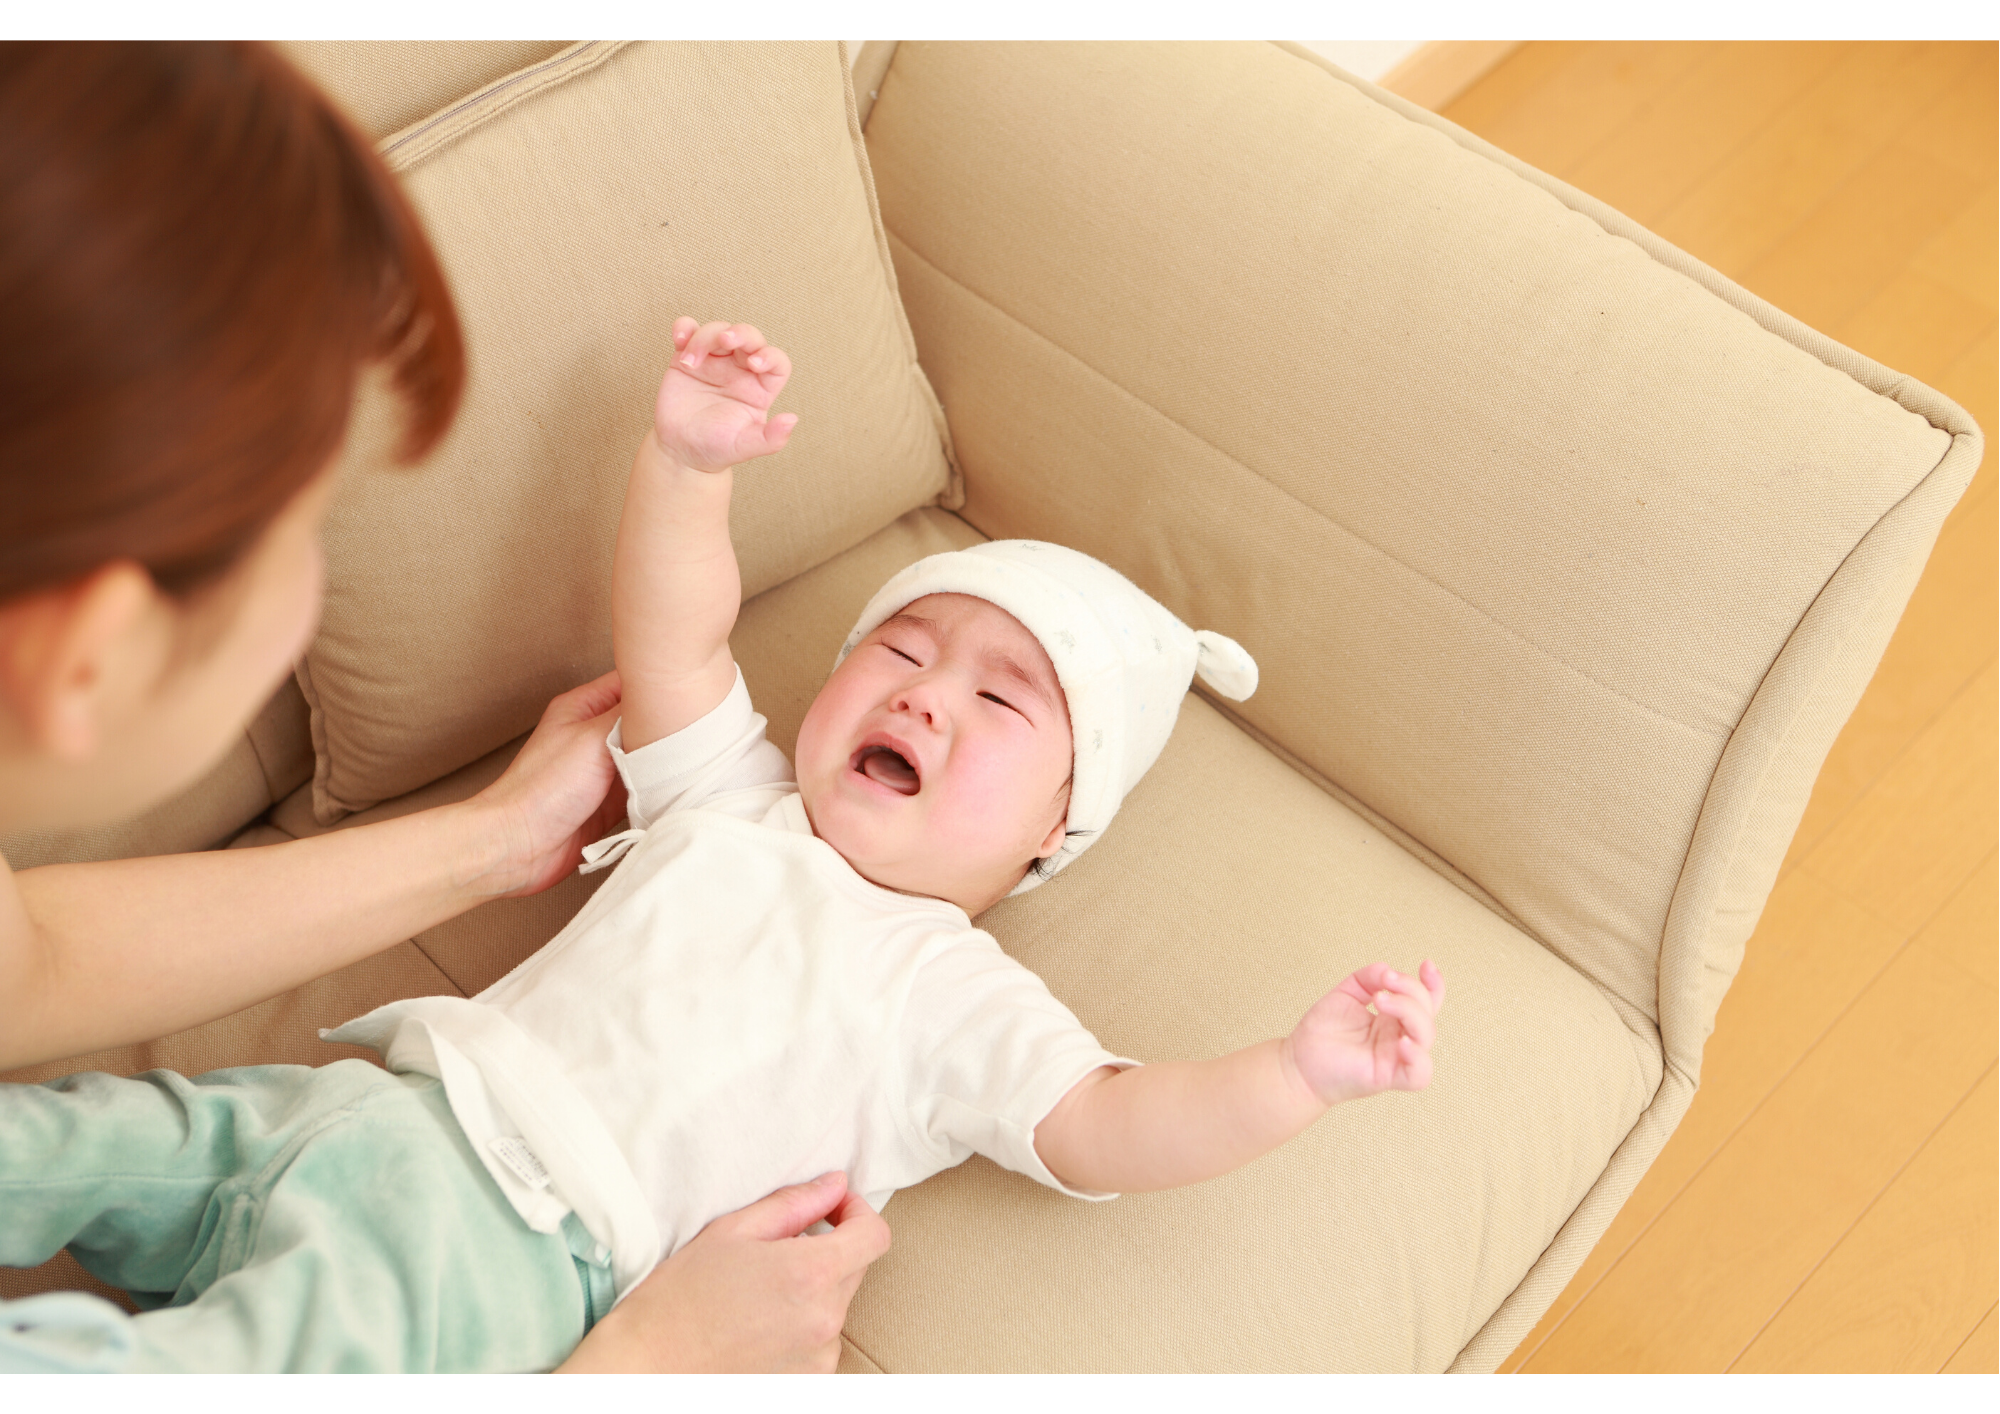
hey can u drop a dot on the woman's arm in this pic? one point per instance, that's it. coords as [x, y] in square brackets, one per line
[95, 955]
[1178, 1122]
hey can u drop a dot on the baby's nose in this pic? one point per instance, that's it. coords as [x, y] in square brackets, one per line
[920, 699]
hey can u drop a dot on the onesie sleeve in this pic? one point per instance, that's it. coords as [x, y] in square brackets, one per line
[704, 762]
[987, 1052]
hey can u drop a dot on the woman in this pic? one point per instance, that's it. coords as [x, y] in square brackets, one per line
[198, 256]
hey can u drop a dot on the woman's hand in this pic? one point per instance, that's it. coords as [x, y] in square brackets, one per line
[560, 793]
[749, 1293]
[1343, 1051]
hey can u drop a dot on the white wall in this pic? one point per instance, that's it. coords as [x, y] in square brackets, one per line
[1368, 58]
[1364, 58]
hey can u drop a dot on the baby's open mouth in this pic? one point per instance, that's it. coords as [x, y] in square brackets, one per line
[885, 766]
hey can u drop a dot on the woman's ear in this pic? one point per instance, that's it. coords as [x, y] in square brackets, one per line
[67, 655]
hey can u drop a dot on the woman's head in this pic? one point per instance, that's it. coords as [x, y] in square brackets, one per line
[198, 256]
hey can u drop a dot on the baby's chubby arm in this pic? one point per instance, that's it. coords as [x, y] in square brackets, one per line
[1178, 1122]
[675, 588]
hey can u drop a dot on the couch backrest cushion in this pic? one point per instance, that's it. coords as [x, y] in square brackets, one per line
[387, 84]
[1514, 510]
[579, 207]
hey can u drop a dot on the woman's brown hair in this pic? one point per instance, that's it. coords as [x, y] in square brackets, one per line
[198, 255]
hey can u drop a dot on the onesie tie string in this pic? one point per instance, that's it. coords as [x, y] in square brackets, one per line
[608, 851]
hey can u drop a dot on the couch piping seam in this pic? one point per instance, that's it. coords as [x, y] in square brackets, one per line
[1359, 539]
[1756, 309]
[410, 135]
[1779, 738]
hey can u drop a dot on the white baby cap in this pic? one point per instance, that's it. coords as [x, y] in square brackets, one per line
[1124, 661]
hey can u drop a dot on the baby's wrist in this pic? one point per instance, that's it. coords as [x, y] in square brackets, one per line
[1298, 1088]
[657, 458]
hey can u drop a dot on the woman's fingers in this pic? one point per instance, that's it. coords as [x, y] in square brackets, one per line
[859, 1236]
[586, 700]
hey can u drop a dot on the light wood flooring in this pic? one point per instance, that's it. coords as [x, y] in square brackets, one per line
[1829, 1202]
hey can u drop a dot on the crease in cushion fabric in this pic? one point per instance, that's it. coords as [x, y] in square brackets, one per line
[574, 224]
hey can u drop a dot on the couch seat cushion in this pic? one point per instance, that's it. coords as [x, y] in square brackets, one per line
[1230, 894]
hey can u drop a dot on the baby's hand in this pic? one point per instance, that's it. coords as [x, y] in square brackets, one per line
[715, 401]
[1343, 1052]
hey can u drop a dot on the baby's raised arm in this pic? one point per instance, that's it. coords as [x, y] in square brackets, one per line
[675, 588]
[1178, 1122]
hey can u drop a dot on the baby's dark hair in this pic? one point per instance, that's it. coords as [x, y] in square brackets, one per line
[1045, 869]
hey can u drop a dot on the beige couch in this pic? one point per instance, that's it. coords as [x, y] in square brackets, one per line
[1564, 558]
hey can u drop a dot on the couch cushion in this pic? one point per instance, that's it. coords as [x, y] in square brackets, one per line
[1228, 897]
[387, 84]
[578, 208]
[1516, 512]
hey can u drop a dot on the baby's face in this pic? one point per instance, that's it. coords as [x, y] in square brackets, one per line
[937, 757]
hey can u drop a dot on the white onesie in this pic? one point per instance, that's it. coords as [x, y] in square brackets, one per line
[736, 1010]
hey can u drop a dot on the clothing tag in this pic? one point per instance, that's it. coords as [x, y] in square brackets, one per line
[516, 1155]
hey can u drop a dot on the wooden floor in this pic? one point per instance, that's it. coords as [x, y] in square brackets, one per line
[1829, 1201]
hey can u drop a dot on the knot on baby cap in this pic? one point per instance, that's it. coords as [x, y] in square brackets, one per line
[1123, 660]
[1224, 665]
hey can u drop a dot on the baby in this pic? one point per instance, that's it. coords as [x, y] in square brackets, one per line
[781, 978]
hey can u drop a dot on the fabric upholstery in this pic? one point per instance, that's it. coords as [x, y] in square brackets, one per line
[578, 209]
[1226, 898]
[387, 84]
[1682, 524]
[1647, 489]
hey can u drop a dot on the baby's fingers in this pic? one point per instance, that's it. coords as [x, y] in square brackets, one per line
[778, 430]
[743, 338]
[1413, 1066]
[1413, 1016]
[1369, 980]
[769, 362]
[710, 338]
[760, 439]
[1416, 989]
[1433, 981]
